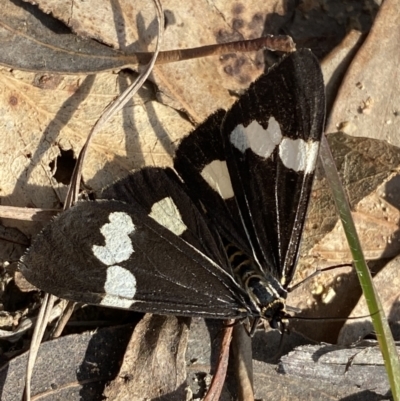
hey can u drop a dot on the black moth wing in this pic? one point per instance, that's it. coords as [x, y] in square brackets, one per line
[201, 161]
[112, 253]
[269, 140]
[161, 190]
[271, 137]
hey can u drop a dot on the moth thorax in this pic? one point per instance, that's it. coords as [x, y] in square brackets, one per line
[269, 301]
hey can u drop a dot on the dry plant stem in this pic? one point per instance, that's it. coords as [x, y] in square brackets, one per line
[27, 213]
[242, 352]
[40, 327]
[114, 108]
[63, 320]
[274, 43]
[11, 241]
[218, 380]
[73, 189]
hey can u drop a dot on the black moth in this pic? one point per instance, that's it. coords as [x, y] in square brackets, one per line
[220, 240]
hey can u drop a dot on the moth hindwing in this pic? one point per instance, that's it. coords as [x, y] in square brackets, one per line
[223, 243]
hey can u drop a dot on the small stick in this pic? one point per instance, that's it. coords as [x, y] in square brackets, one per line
[27, 213]
[218, 380]
[274, 43]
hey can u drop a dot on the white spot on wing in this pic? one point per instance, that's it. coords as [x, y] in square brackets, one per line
[217, 177]
[261, 141]
[295, 154]
[299, 155]
[120, 287]
[118, 245]
[167, 214]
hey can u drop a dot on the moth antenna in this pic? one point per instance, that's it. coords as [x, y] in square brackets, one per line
[317, 273]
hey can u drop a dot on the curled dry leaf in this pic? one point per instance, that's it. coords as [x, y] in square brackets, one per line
[23, 284]
[23, 323]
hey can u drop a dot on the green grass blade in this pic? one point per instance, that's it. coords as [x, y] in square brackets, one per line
[383, 333]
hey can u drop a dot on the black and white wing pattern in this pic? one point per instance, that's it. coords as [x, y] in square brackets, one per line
[256, 183]
[168, 244]
[144, 256]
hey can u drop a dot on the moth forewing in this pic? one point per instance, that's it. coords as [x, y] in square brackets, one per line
[271, 137]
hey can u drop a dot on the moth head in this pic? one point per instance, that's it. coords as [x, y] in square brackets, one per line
[275, 313]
